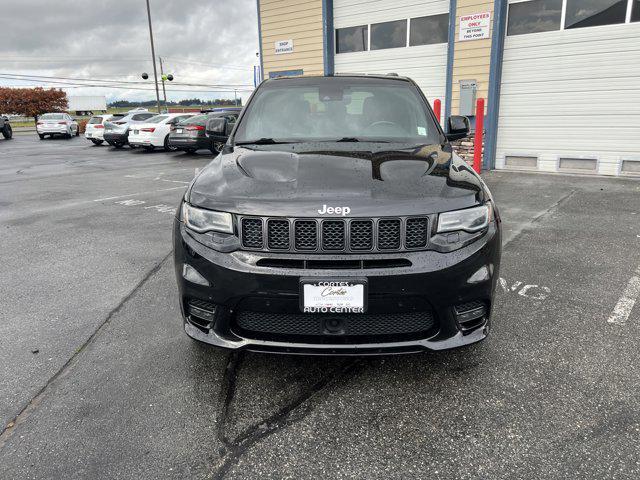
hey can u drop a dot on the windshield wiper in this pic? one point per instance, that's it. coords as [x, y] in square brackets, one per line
[261, 141]
[355, 139]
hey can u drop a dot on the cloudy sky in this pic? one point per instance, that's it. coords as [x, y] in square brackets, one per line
[202, 42]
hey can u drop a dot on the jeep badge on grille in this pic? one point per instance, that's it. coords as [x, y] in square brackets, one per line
[337, 210]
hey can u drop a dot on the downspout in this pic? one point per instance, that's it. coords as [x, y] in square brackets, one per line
[495, 79]
[450, 51]
[327, 36]
[261, 76]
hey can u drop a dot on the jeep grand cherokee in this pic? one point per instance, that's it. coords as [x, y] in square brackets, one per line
[337, 220]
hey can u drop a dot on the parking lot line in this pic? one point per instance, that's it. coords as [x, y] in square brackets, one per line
[136, 194]
[621, 311]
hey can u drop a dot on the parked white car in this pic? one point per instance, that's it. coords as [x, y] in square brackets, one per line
[155, 131]
[57, 124]
[94, 130]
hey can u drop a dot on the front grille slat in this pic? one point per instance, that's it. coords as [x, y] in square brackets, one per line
[278, 234]
[335, 235]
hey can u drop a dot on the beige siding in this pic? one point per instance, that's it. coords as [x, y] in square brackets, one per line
[300, 21]
[471, 59]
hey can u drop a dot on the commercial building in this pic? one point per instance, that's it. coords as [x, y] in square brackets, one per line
[561, 78]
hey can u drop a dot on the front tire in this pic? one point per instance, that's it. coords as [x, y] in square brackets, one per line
[7, 132]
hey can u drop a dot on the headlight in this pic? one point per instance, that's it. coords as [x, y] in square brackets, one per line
[470, 219]
[201, 220]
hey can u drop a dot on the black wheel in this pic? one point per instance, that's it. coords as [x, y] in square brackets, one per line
[78, 132]
[41, 135]
[7, 132]
[217, 147]
[118, 144]
[167, 147]
[97, 142]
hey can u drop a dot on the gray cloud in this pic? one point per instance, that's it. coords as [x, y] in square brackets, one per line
[202, 41]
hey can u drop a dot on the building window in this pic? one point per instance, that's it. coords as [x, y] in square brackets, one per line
[429, 30]
[351, 39]
[389, 35]
[635, 13]
[534, 16]
[590, 13]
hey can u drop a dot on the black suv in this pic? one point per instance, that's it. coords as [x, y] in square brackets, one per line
[337, 220]
[5, 127]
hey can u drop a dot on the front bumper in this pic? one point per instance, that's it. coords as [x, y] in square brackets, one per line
[435, 282]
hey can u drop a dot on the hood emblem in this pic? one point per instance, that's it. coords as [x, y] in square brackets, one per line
[334, 210]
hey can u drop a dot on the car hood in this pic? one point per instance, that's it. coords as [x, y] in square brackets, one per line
[414, 181]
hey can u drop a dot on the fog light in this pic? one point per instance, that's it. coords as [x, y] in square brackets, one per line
[190, 274]
[479, 276]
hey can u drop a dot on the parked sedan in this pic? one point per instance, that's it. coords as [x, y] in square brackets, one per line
[190, 135]
[155, 131]
[94, 130]
[116, 133]
[57, 124]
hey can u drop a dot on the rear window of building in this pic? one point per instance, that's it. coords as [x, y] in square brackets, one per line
[534, 16]
[351, 39]
[429, 30]
[389, 35]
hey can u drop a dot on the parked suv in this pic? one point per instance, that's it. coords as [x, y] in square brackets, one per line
[5, 127]
[57, 124]
[94, 129]
[337, 220]
[116, 132]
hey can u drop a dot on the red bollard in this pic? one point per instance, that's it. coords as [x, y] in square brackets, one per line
[477, 142]
[437, 108]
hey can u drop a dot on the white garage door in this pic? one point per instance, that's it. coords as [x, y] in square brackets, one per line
[406, 37]
[570, 93]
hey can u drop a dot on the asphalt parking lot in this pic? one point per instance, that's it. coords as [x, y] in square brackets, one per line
[98, 380]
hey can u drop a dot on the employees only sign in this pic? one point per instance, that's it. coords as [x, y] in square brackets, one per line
[475, 26]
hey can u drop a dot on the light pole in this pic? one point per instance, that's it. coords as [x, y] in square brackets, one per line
[153, 56]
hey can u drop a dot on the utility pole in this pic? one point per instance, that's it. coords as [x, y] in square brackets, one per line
[153, 56]
[164, 92]
[235, 97]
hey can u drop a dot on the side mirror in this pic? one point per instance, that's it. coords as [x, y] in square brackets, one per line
[458, 127]
[216, 127]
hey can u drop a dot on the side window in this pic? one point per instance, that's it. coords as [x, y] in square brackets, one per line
[429, 30]
[534, 16]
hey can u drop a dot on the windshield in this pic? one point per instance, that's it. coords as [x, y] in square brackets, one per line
[52, 116]
[157, 118]
[332, 109]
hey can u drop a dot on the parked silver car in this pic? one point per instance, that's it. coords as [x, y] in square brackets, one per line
[116, 132]
[57, 124]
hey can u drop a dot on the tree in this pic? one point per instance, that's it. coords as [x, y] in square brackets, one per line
[32, 102]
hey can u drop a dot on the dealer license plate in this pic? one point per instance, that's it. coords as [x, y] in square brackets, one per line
[333, 295]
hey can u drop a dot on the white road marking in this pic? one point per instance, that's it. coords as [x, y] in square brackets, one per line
[534, 292]
[621, 311]
[174, 181]
[135, 194]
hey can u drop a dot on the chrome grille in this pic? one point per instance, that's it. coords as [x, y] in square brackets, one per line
[334, 235]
